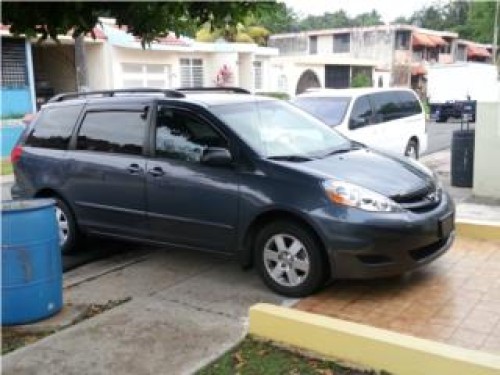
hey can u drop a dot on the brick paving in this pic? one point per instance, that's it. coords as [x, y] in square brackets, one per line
[455, 300]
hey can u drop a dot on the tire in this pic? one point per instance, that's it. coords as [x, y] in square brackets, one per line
[69, 235]
[295, 256]
[412, 149]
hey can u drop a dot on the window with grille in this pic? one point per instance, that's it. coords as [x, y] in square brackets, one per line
[191, 72]
[257, 75]
[14, 70]
[341, 43]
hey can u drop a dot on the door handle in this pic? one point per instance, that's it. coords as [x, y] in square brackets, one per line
[156, 172]
[134, 169]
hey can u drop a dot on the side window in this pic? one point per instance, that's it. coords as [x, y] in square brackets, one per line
[409, 104]
[183, 136]
[120, 132]
[361, 113]
[386, 106]
[54, 128]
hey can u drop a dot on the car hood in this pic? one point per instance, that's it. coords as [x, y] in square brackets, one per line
[384, 173]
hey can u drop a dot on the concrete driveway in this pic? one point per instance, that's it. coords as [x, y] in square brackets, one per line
[186, 309]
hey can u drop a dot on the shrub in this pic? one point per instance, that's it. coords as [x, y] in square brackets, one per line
[361, 80]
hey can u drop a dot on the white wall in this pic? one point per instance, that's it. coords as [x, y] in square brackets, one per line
[293, 71]
[138, 56]
[246, 70]
[215, 61]
[487, 150]
[97, 72]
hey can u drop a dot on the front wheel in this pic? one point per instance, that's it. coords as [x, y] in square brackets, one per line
[289, 259]
[69, 234]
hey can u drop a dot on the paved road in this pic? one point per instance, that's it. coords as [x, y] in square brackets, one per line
[439, 135]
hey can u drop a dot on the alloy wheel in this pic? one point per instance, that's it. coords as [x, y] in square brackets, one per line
[286, 260]
[63, 224]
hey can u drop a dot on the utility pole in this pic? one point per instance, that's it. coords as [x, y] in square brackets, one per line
[495, 34]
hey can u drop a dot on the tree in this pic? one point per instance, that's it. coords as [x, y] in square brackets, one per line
[327, 20]
[147, 20]
[480, 22]
[372, 18]
[280, 19]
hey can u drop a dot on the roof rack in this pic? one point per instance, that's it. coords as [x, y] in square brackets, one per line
[235, 90]
[111, 93]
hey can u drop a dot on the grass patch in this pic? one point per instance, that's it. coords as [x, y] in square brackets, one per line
[6, 167]
[257, 357]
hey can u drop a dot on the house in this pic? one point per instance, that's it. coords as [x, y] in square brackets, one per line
[116, 59]
[400, 53]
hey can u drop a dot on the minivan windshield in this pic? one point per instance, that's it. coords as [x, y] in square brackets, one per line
[276, 129]
[329, 110]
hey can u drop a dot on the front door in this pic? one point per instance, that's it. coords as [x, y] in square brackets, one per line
[106, 171]
[190, 203]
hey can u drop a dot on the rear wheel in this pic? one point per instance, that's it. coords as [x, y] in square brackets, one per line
[412, 149]
[69, 235]
[289, 259]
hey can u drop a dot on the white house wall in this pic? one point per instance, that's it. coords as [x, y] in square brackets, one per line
[215, 62]
[245, 63]
[171, 58]
[293, 71]
[97, 68]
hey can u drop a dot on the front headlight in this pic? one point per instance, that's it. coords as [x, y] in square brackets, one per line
[347, 194]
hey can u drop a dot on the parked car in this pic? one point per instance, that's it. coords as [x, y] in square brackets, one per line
[251, 177]
[458, 109]
[387, 119]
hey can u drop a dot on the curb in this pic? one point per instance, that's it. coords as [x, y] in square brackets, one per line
[376, 348]
[482, 230]
[8, 178]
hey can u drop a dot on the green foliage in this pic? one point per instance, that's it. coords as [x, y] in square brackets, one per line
[257, 357]
[361, 80]
[147, 20]
[472, 20]
[259, 34]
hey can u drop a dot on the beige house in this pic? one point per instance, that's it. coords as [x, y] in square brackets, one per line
[400, 54]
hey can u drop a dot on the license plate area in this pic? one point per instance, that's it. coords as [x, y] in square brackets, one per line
[446, 225]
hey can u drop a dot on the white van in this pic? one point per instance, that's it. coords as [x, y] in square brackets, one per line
[388, 119]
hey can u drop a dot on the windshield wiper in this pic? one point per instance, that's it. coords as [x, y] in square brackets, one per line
[297, 158]
[342, 150]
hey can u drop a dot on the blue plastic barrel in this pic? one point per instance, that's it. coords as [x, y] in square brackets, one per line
[31, 261]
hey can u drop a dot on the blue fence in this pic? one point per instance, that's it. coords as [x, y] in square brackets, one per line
[9, 135]
[16, 102]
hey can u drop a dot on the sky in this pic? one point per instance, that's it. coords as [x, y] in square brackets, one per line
[389, 9]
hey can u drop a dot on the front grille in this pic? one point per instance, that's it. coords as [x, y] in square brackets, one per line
[421, 200]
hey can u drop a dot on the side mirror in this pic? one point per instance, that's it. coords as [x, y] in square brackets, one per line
[216, 156]
[358, 122]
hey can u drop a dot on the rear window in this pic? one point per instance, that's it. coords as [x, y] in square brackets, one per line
[329, 110]
[54, 127]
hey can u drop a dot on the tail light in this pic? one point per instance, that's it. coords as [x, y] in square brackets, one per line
[15, 154]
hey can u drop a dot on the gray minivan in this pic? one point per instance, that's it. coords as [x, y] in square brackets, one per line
[232, 173]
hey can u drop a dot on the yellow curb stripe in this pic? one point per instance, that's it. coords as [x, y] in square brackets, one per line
[373, 347]
[484, 230]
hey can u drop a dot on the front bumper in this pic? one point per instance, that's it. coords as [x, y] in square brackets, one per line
[365, 245]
